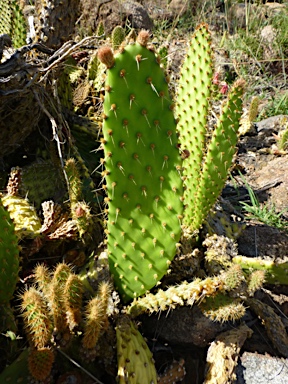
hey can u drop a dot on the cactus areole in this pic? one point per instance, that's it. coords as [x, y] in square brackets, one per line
[142, 167]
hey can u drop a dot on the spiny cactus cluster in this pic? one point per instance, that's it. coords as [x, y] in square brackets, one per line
[54, 307]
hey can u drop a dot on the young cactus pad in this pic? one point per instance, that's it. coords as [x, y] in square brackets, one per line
[206, 164]
[141, 169]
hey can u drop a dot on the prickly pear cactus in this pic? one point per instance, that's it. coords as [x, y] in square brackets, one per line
[135, 361]
[141, 169]
[9, 256]
[206, 164]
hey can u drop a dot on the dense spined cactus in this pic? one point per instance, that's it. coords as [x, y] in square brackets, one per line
[53, 309]
[18, 25]
[36, 319]
[141, 169]
[9, 256]
[12, 22]
[96, 316]
[26, 220]
[24, 216]
[40, 362]
[135, 361]
[80, 211]
[206, 162]
[117, 37]
[5, 17]
[191, 293]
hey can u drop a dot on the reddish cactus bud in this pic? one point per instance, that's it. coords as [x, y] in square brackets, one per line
[105, 55]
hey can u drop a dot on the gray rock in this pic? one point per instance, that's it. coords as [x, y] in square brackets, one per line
[261, 369]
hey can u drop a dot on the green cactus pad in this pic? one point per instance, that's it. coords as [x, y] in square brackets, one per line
[275, 272]
[220, 152]
[193, 94]
[135, 360]
[206, 162]
[9, 256]
[142, 164]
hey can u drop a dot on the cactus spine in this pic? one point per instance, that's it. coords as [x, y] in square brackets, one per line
[205, 165]
[142, 164]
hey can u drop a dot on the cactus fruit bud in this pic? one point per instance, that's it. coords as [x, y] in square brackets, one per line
[106, 56]
[255, 281]
[143, 38]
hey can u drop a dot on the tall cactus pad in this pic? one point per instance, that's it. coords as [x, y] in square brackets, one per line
[220, 152]
[142, 165]
[194, 90]
[135, 361]
[206, 162]
[9, 256]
